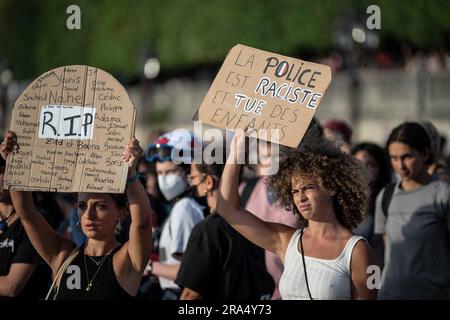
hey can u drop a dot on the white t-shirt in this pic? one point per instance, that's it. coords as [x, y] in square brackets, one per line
[185, 214]
[327, 279]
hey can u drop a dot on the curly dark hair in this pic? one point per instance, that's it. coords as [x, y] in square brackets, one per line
[334, 170]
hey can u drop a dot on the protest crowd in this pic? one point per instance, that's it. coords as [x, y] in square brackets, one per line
[334, 212]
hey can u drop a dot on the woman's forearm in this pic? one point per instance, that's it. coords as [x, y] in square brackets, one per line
[228, 200]
[168, 271]
[140, 238]
[140, 209]
[23, 204]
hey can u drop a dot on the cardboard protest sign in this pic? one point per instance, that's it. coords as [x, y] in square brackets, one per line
[72, 124]
[265, 91]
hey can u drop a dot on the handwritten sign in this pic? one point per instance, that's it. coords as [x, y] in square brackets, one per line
[66, 122]
[267, 92]
[73, 124]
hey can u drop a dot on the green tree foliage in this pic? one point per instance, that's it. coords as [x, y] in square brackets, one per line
[115, 35]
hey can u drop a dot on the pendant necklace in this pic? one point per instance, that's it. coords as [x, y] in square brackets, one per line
[99, 266]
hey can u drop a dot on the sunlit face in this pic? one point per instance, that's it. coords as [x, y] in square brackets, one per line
[311, 200]
[98, 215]
[366, 159]
[408, 162]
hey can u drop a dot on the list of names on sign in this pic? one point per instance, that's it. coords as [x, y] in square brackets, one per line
[73, 124]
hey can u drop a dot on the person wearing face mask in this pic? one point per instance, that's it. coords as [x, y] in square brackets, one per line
[185, 213]
[219, 263]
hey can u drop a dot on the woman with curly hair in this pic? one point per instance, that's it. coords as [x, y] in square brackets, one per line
[326, 188]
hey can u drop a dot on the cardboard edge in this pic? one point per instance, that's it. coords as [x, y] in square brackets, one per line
[11, 186]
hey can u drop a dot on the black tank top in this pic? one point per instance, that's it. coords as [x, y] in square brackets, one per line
[104, 286]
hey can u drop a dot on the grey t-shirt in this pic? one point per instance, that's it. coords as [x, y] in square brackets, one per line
[417, 254]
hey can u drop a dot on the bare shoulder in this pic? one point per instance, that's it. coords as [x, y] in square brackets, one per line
[285, 234]
[362, 255]
[361, 247]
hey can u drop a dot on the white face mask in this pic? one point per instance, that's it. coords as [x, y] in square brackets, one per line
[172, 185]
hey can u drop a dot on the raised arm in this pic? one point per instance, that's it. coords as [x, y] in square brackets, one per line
[270, 236]
[139, 245]
[51, 246]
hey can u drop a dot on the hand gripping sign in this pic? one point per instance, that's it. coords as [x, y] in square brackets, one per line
[72, 125]
[265, 91]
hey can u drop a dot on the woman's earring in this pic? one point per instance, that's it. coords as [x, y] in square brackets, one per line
[78, 224]
[118, 226]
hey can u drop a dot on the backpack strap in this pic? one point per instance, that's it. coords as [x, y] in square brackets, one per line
[387, 197]
[57, 281]
[247, 191]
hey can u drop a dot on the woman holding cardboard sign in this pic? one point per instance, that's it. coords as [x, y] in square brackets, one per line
[324, 186]
[101, 268]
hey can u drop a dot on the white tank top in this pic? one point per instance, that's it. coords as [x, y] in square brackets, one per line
[327, 279]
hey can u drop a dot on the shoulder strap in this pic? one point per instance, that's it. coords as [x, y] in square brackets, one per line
[348, 249]
[387, 197]
[304, 265]
[57, 281]
[248, 188]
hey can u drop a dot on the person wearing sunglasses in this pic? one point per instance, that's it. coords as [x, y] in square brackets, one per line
[171, 154]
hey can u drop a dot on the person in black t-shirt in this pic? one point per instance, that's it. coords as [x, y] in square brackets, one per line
[102, 268]
[219, 263]
[22, 274]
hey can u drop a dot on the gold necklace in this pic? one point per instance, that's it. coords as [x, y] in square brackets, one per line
[89, 286]
[95, 261]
